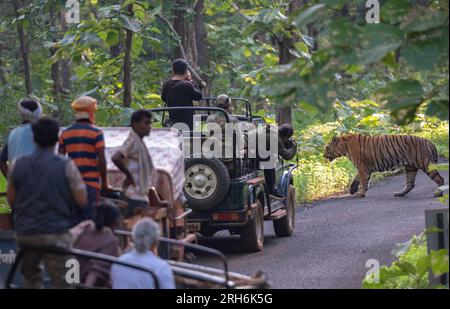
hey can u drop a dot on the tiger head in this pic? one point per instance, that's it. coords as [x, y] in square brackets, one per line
[333, 150]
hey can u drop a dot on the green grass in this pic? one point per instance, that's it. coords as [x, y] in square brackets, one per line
[4, 208]
[2, 184]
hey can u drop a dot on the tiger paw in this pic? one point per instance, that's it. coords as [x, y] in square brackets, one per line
[360, 194]
[353, 189]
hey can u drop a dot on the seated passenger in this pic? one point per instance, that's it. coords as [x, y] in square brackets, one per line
[99, 238]
[145, 239]
[222, 101]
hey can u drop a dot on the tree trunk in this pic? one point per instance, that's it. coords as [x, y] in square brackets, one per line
[127, 64]
[65, 65]
[200, 38]
[185, 27]
[313, 33]
[201, 43]
[284, 112]
[3, 72]
[55, 74]
[23, 49]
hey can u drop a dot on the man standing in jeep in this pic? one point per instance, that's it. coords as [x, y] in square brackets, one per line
[180, 90]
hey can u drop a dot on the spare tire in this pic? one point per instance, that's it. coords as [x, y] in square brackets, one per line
[207, 182]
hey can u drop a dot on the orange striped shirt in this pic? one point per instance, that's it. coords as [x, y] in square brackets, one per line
[81, 141]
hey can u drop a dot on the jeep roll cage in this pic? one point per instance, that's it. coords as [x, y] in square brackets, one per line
[188, 108]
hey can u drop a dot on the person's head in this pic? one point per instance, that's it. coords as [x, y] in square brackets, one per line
[179, 67]
[106, 214]
[145, 235]
[29, 109]
[84, 108]
[141, 122]
[285, 131]
[223, 101]
[45, 132]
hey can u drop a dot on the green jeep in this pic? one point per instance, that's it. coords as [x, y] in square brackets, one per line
[231, 194]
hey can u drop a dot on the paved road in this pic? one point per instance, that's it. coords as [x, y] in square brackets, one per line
[334, 238]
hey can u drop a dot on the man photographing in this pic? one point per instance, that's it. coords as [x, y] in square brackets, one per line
[179, 91]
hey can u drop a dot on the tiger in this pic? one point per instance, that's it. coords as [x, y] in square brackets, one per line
[384, 153]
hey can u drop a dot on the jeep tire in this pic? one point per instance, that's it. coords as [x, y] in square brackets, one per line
[252, 234]
[207, 182]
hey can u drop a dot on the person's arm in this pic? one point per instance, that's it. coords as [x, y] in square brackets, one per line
[11, 194]
[4, 161]
[61, 146]
[195, 92]
[76, 184]
[11, 191]
[119, 160]
[288, 152]
[103, 170]
[78, 229]
[100, 146]
[163, 93]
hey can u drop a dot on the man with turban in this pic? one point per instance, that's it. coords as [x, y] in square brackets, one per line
[20, 140]
[84, 143]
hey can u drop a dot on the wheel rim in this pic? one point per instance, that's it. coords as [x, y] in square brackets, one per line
[201, 181]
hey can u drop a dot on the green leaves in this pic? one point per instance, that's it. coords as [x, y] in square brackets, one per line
[403, 97]
[439, 262]
[402, 93]
[438, 108]
[421, 55]
[423, 19]
[394, 11]
[81, 71]
[403, 57]
[412, 266]
[112, 38]
[308, 15]
[109, 11]
[268, 16]
[378, 40]
[406, 267]
[130, 23]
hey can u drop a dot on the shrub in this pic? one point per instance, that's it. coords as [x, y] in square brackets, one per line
[411, 267]
[315, 178]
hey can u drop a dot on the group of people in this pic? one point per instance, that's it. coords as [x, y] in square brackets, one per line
[55, 197]
[54, 193]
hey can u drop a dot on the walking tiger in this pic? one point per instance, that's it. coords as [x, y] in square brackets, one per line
[383, 153]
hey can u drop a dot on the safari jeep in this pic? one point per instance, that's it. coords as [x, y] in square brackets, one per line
[231, 194]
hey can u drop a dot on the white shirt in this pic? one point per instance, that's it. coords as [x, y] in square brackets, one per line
[123, 277]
